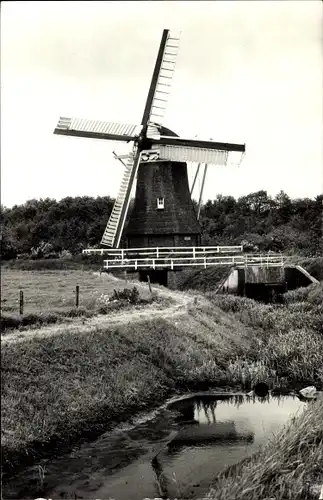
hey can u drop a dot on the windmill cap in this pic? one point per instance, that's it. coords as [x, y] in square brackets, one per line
[167, 131]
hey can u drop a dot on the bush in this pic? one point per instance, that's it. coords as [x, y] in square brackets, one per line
[75, 312]
[131, 296]
[312, 294]
[298, 295]
[65, 254]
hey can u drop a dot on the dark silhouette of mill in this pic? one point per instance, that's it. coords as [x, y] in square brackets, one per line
[173, 225]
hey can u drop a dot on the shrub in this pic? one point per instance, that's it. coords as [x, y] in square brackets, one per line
[78, 311]
[65, 254]
[7, 322]
[313, 294]
[131, 296]
[298, 295]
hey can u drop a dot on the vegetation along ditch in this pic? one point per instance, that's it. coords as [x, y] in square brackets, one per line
[70, 383]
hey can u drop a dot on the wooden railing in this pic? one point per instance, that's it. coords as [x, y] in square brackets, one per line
[157, 252]
[173, 262]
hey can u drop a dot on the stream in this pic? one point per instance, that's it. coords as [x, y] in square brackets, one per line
[175, 451]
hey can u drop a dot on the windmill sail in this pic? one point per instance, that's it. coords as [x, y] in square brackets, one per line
[114, 228]
[97, 129]
[196, 151]
[149, 143]
[194, 155]
[161, 80]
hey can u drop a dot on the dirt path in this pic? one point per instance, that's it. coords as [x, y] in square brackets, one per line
[180, 304]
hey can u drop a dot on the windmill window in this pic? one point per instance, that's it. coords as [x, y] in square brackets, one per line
[160, 203]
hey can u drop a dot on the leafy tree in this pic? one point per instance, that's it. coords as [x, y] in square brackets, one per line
[48, 227]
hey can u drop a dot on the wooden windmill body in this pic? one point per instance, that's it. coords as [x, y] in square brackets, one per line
[163, 213]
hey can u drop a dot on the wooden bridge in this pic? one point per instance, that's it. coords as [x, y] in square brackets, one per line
[180, 257]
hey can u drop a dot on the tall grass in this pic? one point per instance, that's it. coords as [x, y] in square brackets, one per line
[289, 336]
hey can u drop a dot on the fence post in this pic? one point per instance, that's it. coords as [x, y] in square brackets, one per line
[149, 284]
[77, 295]
[21, 302]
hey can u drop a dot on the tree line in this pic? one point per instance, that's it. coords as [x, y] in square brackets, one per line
[50, 228]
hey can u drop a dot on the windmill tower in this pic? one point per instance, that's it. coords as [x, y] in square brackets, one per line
[163, 214]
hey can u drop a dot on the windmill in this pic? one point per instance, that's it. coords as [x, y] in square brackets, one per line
[163, 213]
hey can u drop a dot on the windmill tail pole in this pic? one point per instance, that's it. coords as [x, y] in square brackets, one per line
[201, 192]
[195, 177]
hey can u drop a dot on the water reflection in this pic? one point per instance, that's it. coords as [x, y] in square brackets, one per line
[207, 403]
[193, 437]
[215, 432]
[200, 425]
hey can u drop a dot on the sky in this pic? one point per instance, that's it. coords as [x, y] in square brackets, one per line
[247, 72]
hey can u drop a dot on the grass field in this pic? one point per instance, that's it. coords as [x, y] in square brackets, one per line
[46, 291]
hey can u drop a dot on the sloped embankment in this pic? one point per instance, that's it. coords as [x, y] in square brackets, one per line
[67, 381]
